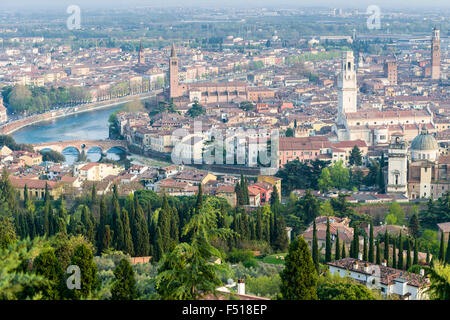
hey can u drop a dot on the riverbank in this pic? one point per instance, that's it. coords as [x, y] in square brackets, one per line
[16, 125]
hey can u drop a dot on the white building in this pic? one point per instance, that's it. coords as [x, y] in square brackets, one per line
[397, 166]
[390, 281]
[347, 94]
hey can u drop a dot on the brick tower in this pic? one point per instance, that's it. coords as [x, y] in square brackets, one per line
[174, 88]
[141, 57]
[435, 55]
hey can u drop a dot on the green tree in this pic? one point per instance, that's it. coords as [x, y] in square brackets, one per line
[7, 232]
[84, 259]
[187, 271]
[14, 279]
[416, 252]
[339, 175]
[325, 182]
[408, 254]
[378, 253]
[127, 238]
[124, 285]
[315, 247]
[299, 277]
[371, 244]
[400, 263]
[337, 255]
[439, 288]
[328, 243]
[289, 132]
[414, 225]
[196, 110]
[355, 157]
[47, 265]
[386, 247]
[335, 287]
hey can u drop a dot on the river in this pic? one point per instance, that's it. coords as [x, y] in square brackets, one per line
[92, 125]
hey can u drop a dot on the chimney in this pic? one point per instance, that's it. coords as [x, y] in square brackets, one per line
[355, 265]
[422, 272]
[241, 286]
[366, 267]
[384, 263]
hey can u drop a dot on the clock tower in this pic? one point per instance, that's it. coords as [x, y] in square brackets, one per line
[435, 55]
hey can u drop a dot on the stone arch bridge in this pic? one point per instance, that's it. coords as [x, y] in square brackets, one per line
[80, 145]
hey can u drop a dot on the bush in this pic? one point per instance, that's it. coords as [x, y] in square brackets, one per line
[236, 255]
[250, 263]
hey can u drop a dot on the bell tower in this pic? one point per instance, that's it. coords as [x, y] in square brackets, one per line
[174, 89]
[397, 166]
[347, 91]
[141, 57]
[435, 55]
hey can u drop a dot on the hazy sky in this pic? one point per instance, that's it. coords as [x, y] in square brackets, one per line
[412, 4]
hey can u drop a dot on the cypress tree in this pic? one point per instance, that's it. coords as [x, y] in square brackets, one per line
[199, 201]
[259, 225]
[118, 231]
[344, 254]
[416, 252]
[102, 225]
[298, 278]
[394, 254]
[371, 244]
[281, 240]
[274, 197]
[245, 192]
[414, 225]
[441, 256]
[365, 256]
[337, 255]
[237, 190]
[428, 255]
[355, 243]
[93, 194]
[315, 247]
[107, 238]
[140, 231]
[124, 285]
[378, 257]
[84, 259]
[400, 263]
[127, 239]
[88, 222]
[328, 243]
[25, 195]
[408, 254]
[386, 247]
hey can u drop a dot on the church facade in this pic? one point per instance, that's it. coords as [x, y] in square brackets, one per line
[418, 171]
[375, 127]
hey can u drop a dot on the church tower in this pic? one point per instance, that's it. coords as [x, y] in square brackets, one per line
[397, 166]
[435, 55]
[347, 91]
[174, 89]
[141, 57]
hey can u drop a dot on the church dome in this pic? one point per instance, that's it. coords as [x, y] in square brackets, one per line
[424, 141]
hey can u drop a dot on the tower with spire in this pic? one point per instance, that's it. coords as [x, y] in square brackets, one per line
[174, 88]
